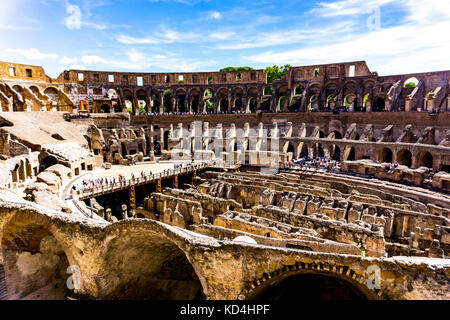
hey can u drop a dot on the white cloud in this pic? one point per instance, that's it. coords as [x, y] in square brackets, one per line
[397, 44]
[348, 7]
[75, 19]
[93, 60]
[67, 60]
[33, 54]
[428, 11]
[283, 37]
[222, 35]
[214, 15]
[77, 67]
[165, 35]
[132, 40]
[142, 61]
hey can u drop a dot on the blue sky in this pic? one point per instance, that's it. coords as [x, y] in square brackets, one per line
[393, 36]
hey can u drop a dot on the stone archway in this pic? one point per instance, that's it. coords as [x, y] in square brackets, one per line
[404, 157]
[151, 266]
[385, 155]
[318, 281]
[425, 159]
[35, 262]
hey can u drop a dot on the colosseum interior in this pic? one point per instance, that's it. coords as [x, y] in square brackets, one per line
[219, 185]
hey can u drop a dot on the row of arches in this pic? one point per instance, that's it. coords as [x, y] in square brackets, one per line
[385, 155]
[155, 261]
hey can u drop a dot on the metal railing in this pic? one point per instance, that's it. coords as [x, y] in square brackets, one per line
[125, 184]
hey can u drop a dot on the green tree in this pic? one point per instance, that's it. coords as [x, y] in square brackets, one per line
[209, 105]
[276, 72]
[236, 69]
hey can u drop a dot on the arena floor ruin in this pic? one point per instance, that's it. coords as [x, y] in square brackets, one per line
[253, 199]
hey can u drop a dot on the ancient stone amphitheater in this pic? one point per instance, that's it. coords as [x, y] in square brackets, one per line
[330, 183]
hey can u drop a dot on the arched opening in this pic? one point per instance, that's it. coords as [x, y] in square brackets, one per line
[330, 102]
[282, 103]
[47, 162]
[195, 100]
[335, 152]
[168, 100]
[268, 91]
[224, 105]
[29, 170]
[105, 108]
[304, 150]
[156, 146]
[128, 101]
[309, 286]
[411, 83]
[35, 263]
[288, 147]
[425, 159]
[124, 149]
[52, 93]
[282, 93]
[237, 104]
[312, 103]
[156, 269]
[166, 140]
[379, 104]
[142, 100]
[208, 100]
[351, 154]
[404, 157]
[296, 105]
[299, 90]
[181, 101]
[337, 134]
[253, 105]
[366, 102]
[22, 171]
[349, 102]
[155, 100]
[237, 94]
[319, 150]
[385, 155]
[429, 97]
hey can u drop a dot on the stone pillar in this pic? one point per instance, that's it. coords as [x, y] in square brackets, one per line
[135, 104]
[369, 105]
[201, 105]
[414, 161]
[161, 104]
[124, 212]
[132, 198]
[175, 182]
[108, 215]
[158, 186]
[274, 104]
[189, 102]
[174, 105]
[216, 104]
[246, 104]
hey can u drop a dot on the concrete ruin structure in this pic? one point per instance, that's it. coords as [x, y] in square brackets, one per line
[229, 216]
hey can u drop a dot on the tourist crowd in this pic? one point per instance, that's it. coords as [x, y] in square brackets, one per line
[88, 184]
[318, 162]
